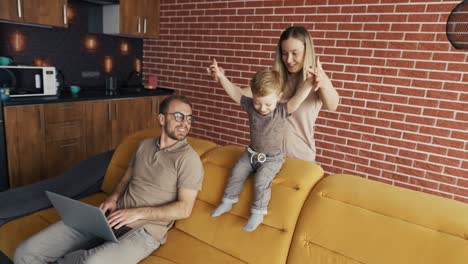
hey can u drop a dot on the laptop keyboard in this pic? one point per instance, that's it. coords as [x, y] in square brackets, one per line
[121, 231]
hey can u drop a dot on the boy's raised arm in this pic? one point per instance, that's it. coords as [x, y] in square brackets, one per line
[218, 75]
[300, 95]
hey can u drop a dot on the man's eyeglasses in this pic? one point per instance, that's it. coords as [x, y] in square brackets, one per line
[179, 117]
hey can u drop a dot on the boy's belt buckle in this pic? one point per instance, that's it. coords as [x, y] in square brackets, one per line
[261, 157]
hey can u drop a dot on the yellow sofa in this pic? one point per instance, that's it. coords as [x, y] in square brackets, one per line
[337, 219]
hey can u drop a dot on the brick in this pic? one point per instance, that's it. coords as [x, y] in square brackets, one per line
[384, 71]
[393, 115]
[379, 105]
[454, 105]
[383, 148]
[423, 183]
[395, 176]
[444, 160]
[459, 135]
[365, 18]
[458, 154]
[398, 160]
[448, 142]
[381, 88]
[404, 126]
[441, 194]
[394, 18]
[440, 177]
[427, 84]
[357, 143]
[420, 37]
[438, 113]
[410, 8]
[456, 172]
[388, 132]
[364, 112]
[434, 131]
[452, 124]
[417, 55]
[383, 165]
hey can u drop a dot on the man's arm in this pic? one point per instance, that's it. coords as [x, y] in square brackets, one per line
[182, 208]
[111, 202]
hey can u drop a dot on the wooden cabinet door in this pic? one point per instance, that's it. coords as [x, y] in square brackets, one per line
[130, 116]
[98, 127]
[46, 12]
[25, 138]
[131, 20]
[151, 18]
[10, 10]
[62, 155]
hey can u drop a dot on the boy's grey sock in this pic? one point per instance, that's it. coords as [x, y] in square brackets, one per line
[254, 220]
[221, 209]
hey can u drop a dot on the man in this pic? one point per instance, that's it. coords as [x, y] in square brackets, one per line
[159, 187]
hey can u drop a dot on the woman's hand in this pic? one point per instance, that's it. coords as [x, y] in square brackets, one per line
[316, 75]
[215, 71]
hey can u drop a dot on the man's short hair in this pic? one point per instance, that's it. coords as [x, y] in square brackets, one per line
[166, 102]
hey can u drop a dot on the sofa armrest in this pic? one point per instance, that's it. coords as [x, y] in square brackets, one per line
[80, 181]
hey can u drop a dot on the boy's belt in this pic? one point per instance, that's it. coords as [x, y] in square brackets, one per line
[259, 156]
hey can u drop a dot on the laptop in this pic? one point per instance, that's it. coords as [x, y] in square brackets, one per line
[86, 218]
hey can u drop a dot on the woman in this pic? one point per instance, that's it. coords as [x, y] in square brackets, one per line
[295, 57]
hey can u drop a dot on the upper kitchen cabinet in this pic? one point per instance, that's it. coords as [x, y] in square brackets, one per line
[139, 18]
[42, 12]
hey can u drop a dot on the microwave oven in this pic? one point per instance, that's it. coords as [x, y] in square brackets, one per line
[28, 80]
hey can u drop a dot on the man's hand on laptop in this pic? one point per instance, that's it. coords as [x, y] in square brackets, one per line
[110, 204]
[123, 217]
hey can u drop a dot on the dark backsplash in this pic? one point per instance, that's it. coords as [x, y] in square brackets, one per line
[65, 49]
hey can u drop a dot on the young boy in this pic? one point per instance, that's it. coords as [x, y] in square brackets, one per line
[267, 120]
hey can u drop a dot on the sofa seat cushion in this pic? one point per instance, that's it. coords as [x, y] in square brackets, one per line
[184, 248]
[269, 243]
[348, 219]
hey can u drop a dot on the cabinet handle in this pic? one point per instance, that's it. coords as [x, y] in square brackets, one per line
[68, 145]
[20, 14]
[65, 20]
[152, 108]
[139, 27]
[109, 111]
[144, 26]
[39, 118]
[65, 107]
[68, 126]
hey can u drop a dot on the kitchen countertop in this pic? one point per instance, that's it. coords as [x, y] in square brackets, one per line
[86, 95]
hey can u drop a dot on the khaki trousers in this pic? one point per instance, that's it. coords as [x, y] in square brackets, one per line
[62, 244]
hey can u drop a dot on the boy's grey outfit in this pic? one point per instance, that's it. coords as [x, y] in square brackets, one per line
[157, 174]
[266, 137]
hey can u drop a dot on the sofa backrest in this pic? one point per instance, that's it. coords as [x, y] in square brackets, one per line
[348, 219]
[124, 152]
[269, 243]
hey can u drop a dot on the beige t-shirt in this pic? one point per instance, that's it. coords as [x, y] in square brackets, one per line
[299, 139]
[157, 174]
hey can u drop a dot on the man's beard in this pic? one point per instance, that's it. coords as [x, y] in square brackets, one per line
[172, 134]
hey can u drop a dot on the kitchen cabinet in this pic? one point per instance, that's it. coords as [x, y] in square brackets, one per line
[45, 140]
[43, 12]
[64, 136]
[25, 132]
[138, 18]
[108, 122]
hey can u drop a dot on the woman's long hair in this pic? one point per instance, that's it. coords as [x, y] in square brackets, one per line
[300, 33]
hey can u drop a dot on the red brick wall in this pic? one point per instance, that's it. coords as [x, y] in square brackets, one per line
[403, 116]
